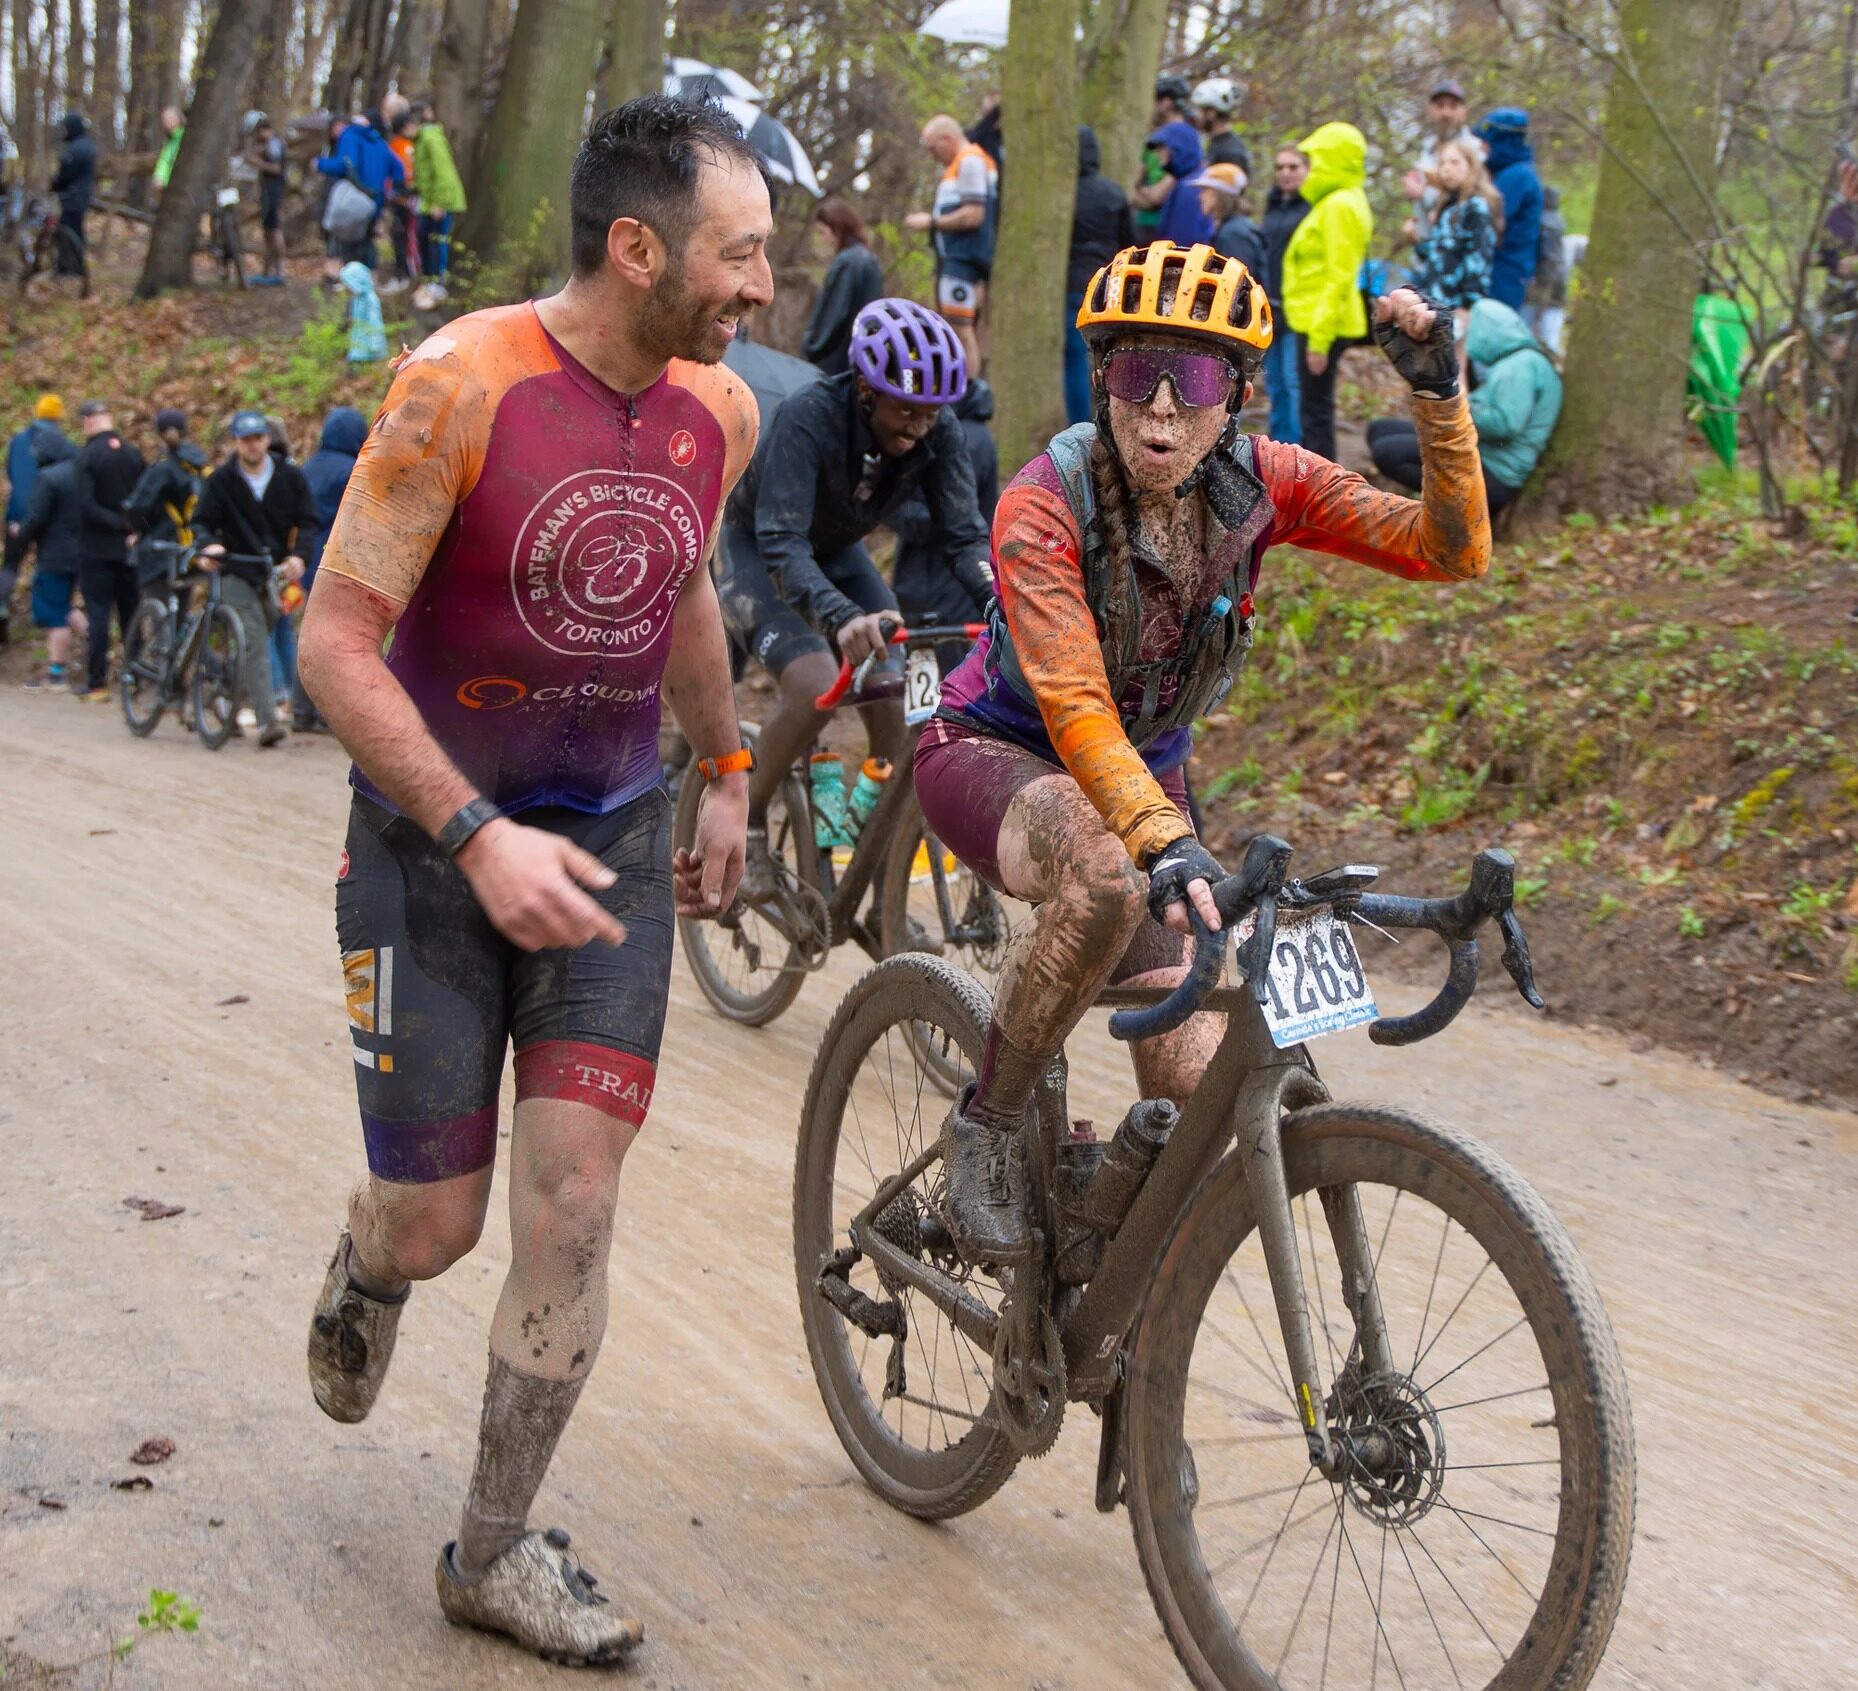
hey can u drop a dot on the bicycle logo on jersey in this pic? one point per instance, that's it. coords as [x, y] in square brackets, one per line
[599, 561]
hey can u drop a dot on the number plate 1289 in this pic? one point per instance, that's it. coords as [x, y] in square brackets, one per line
[1315, 983]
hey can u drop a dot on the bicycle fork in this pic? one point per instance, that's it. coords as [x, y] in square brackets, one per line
[1277, 1233]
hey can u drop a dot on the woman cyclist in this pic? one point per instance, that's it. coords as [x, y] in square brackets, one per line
[1126, 557]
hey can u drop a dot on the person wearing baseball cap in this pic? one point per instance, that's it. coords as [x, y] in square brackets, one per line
[1447, 119]
[255, 505]
[108, 468]
[1222, 188]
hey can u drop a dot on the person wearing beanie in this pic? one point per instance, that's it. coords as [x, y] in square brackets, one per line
[42, 441]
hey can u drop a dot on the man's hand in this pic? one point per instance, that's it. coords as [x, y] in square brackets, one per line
[529, 882]
[291, 569]
[1316, 362]
[207, 558]
[865, 636]
[707, 877]
[1413, 183]
[1419, 341]
[918, 221]
[1182, 871]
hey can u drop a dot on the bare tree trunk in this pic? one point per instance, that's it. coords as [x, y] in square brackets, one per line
[1122, 51]
[458, 78]
[519, 199]
[1619, 445]
[319, 26]
[1025, 298]
[27, 134]
[77, 71]
[155, 30]
[360, 45]
[271, 77]
[634, 60]
[212, 123]
[413, 67]
[107, 79]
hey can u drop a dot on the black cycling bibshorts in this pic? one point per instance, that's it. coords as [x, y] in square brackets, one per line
[763, 624]
[435, 993]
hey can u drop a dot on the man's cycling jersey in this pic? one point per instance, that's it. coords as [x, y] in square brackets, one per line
[539, 527]
[1072, 718]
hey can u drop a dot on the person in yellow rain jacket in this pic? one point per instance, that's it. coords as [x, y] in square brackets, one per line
[1322, 271]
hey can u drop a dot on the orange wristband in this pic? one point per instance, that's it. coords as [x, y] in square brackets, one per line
[733, 763]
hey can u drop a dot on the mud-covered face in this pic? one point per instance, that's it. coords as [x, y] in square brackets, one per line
[1161, 441]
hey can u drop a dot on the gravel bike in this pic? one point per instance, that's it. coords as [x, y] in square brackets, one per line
[1355, 1384]
[183, 644]
[752, 961]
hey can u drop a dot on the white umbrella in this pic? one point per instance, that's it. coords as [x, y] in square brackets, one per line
[785, 157]
[968, 23]
[692, 79]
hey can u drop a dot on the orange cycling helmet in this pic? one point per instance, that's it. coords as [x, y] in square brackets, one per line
[1168, 289]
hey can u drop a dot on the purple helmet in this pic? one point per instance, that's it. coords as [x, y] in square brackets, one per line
[908, 352]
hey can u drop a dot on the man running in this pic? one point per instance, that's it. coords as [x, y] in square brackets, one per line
[530, 518]
[839, 458]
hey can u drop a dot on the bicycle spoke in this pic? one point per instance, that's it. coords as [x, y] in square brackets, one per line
[1426, 1603]
[1425, 1315]
[1477, 1619]
[1379, 1628]
[1325, 1507]
[1316, 1274]
[1335, 1589]
[1250, 1497]
[1491, 1344]
[1251, 1361]
[1283, 1385]
[1252, 1596]
[1296, 1621]
[1479, 1275]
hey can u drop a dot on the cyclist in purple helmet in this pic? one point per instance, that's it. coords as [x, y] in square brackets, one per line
[798, 588]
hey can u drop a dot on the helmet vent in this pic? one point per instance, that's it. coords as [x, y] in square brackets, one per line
[1171, 269]
[1204, 295]
[1241, 313]
[1132, 291]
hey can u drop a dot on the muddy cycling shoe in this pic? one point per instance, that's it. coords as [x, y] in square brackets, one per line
[758, 883]
[539, 1595]
[984, 1202]
[351, 1341]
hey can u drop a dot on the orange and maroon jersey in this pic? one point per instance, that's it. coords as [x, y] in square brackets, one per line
[539, 527]
[1072, 716]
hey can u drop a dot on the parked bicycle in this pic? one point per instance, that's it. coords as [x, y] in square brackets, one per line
[1438, 1470]
[752, 961]
[184, 646]
[226, 240]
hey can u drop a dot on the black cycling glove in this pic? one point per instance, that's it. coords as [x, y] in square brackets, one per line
[1430, 366]
[1173, 868]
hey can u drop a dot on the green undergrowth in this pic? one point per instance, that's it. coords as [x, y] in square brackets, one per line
[1660, 718]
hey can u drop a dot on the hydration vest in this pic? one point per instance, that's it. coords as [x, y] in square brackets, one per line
[1174, 690]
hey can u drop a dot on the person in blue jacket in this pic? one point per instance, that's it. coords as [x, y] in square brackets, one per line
[327, 470]
[1175, 141]
[1511, 163]
[42, 441]
[359, 152]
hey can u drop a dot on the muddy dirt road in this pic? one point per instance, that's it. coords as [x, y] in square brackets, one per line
[173, 1030]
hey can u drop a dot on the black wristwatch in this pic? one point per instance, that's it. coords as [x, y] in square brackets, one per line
[456, 833]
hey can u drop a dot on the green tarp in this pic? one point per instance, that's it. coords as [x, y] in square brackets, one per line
[1719, 343]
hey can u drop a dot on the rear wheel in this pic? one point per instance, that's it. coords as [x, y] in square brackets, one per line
[148, 651]
[216, 677]
[1478, 1533]
[933, 902]
[914, 1411]
[747, 968]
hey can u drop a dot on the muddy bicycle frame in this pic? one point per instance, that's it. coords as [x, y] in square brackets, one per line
[1248, 1087]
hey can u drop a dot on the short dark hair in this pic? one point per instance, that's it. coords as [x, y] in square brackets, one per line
[644, 160]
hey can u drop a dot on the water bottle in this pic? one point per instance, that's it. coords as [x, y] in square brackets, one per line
[866, 791]
[1139, 1140]
[827, 777]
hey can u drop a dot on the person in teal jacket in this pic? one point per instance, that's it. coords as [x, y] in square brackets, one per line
[1514, 405]
[1322, 268]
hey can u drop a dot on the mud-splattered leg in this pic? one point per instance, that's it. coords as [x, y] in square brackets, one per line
[1171, 1065]
[564, 1182]
[413, 1230]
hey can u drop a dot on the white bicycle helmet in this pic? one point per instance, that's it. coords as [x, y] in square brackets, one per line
[1217, 94]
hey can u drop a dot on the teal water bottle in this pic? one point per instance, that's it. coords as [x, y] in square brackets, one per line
[830, 822]
[866, 791]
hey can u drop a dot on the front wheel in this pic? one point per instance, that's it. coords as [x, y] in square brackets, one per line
[148, 653]
[1478, 1531]
[216, 677]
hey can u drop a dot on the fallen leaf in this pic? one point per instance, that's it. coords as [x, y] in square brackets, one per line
[236, 998]
[135, 1482]
[151, 1451]
[52, 1503]
[98, 833]
[153, 1209]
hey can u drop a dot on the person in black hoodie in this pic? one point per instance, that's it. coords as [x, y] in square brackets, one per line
[256, 503]
[108, 468]
[74, 184]
[1101, 226]
[1284, 208]
[161, 506]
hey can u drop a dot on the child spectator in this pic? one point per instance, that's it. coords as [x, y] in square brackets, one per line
[367, 332]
